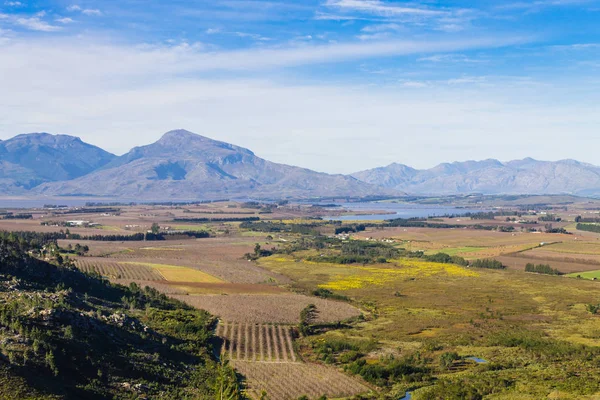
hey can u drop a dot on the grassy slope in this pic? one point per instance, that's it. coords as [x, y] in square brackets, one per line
[533, 329]
[67, 335]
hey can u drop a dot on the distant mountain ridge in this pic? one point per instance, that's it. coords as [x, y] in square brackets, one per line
[184, 165]
[527, 176]
[31, 159]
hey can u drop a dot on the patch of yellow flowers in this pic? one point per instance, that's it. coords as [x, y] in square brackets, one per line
[373, 276]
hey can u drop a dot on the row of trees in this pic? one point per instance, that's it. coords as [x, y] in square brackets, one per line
[541, 269]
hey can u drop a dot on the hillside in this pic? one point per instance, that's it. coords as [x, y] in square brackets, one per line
[67, 335]
[183, 165]
[31, 159]
[527, 176]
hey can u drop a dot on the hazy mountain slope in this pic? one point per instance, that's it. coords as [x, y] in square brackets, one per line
[30, 159]
[183, 165]
[527, 176]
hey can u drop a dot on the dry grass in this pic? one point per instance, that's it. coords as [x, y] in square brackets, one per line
[275, 308]
[115, 270]
[283, 381]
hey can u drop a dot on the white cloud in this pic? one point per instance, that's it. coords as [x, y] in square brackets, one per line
[380, 8]
[65, 20]
[91, 12]
[451, 58]
[85, 11]
[212, 31]
[13, 4]
[382, 28]
[576, 46]
[36, 24]
[319, 15]
[414, 84]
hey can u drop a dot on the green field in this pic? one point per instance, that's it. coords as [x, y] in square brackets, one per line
[592, 275]
[530, 328]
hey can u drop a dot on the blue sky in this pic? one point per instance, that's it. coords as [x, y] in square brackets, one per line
[333, 85]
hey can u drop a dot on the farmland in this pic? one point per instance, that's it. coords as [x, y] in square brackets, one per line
[393, 310]
[287, 381]
[276, 308]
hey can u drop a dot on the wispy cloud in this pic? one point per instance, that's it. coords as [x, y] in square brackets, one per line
[541, 4]
[324, 16]
[249, 35]
[380, 8]
[451, 58]
[36, 24]
[13, 4]
[447, 19]
[576, 46]
[65, 20]
[381, 28]
[84, 11]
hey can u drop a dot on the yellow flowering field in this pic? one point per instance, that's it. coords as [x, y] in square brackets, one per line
[377, 276]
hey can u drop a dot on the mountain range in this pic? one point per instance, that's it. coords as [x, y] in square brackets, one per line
[527, 176]
[185, 166]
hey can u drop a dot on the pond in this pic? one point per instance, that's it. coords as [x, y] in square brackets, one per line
[477, 360]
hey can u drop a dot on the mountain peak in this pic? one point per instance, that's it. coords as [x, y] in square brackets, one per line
[179, 134]
[44, 138]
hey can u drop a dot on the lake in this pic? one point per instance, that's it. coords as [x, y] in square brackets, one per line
[397, 210]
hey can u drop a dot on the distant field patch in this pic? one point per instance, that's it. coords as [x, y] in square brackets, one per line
[271, 308]
[177, 273]
[455, 251]
[162, 248]
[288, 381]
[591, 275]
[374, 276]
[197, 228]
[116, 270]
[577, 247]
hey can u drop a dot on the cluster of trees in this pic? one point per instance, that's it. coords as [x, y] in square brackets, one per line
[350, 229]
[258, 253]
[308, 316]
[542, 269]
[588, 228]
[549, 218]
[445, 259]
[77, 249]
[389, 371]
[550, 229]
[17, 216]
[420, 223]
[594, 220]
[94, 210]
[328, 294]
[488, 263]
[359, 252]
